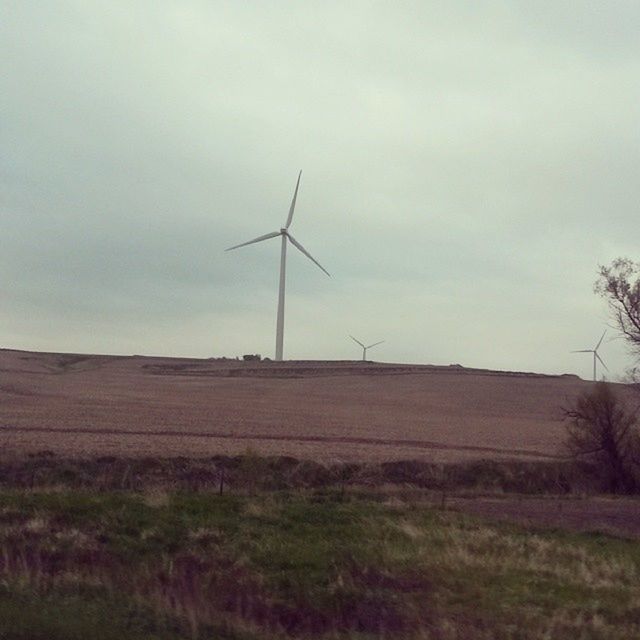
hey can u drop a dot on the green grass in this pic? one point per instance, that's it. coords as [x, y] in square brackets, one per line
[80, 614]
[70, 616]
[318, 565]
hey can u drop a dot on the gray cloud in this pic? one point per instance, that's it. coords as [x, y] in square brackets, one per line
[466, 167]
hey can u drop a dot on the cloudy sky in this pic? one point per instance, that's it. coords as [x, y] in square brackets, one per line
[466, 167]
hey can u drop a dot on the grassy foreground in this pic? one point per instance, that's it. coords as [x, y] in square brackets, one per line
[126, 565]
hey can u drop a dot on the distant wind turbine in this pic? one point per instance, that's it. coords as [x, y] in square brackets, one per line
[364, 348]
[596, 356]
[284, 232]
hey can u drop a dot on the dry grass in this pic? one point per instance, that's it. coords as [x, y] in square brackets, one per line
[312, 566]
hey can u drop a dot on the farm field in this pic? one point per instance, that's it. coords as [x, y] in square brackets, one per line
[86, 405]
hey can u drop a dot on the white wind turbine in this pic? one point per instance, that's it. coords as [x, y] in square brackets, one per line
[364, 348]
[596, 356]
[286, 236]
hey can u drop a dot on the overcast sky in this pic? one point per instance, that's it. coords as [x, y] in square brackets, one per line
[466, 167]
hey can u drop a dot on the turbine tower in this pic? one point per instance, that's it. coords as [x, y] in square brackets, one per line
[286, 237]
[364, 348]
[596, 356]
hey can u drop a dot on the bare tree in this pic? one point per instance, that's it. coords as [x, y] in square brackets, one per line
[604, 431]
[619, 285]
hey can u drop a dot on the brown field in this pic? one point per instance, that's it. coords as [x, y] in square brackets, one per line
[329, 411]
[612, 516]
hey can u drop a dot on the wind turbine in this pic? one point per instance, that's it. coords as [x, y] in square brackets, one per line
[286, 236]
[364, 348]
[596, 356]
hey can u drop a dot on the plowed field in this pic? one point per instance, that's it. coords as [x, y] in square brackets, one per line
[99, 405]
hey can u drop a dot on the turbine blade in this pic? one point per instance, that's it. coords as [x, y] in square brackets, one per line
[306, 253]
[358, 341]
[600, 341]
[293, 203]
[266, 236]
[602, 362]
[375, 344]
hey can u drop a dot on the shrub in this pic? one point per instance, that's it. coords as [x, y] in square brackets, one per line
[603, 431]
